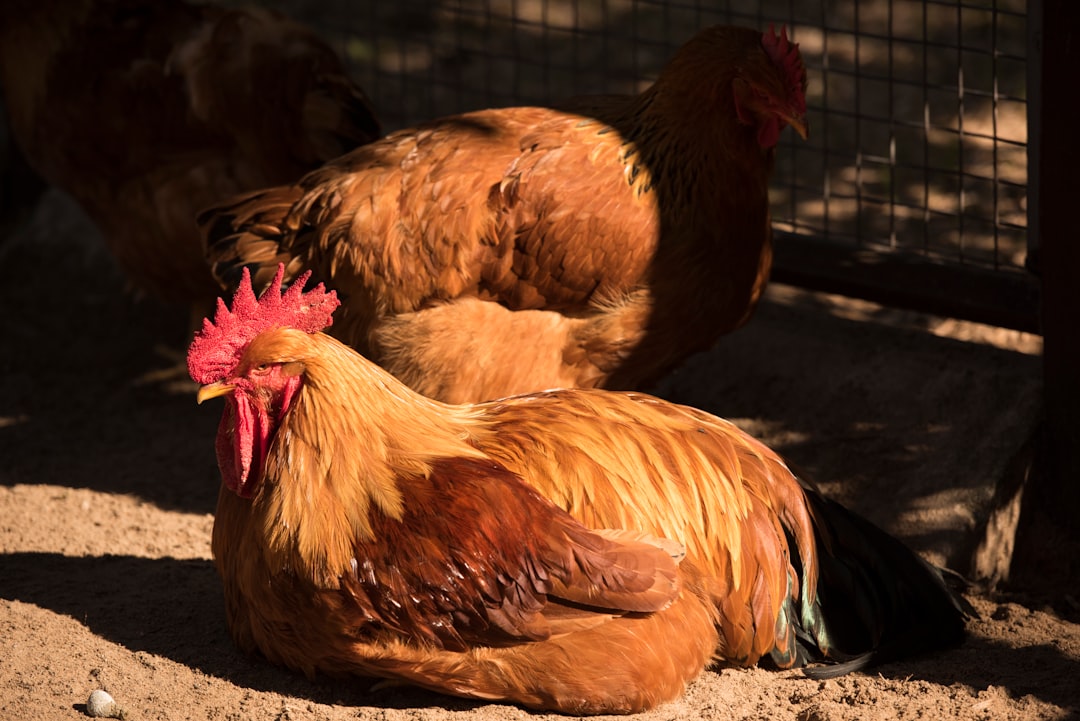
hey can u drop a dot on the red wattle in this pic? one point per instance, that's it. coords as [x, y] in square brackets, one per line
[769, 133]
[241, 439]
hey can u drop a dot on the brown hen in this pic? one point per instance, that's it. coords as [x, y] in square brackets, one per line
[518, 249]
[147, 111]
[365, 529]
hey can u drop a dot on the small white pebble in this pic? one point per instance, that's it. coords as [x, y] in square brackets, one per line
[101, 705]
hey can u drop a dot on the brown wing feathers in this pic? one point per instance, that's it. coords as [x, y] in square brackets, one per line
[478, 556]
[261, 215]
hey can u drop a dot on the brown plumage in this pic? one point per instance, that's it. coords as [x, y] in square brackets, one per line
[365, 529]
[147, 111]
[517, 249]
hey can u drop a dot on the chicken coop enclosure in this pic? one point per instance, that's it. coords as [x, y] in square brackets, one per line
[913, 188]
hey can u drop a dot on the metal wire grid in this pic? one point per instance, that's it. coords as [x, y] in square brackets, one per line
[917, 107]
[921, 132]
[422, 60]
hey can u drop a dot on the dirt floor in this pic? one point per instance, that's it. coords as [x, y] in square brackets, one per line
[108, 485]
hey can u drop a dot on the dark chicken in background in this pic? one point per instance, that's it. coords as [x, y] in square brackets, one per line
[147, 111]
[518, 249]
[365, 529]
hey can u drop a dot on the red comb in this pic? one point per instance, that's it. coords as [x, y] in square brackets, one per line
[218, 346]
[786, 56]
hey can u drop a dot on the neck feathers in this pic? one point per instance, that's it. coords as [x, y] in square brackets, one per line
[339, 455]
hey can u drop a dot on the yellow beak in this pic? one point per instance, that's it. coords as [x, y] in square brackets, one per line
[213, 390]
[799, 125]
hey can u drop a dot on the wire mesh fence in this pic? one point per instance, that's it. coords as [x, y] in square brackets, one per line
[917, 108]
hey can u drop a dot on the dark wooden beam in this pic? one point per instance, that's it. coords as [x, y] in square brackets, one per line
[1058, 224]
[1044, 553]
[1009, 299]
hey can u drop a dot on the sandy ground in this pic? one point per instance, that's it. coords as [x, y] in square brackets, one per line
[108, 485]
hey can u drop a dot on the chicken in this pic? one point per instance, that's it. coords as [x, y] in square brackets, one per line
[518, 249]
[146, 111]
[523, 550]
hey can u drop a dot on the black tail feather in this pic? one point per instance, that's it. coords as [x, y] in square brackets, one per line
[876, 599]
[842, 668]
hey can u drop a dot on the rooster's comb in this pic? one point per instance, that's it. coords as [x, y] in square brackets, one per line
[787, 57]
[218, 346]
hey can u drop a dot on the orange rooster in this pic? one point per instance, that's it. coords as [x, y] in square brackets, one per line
[519, 249]
[147, 111]
[365, 529]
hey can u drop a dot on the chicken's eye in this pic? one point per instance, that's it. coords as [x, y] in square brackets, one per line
[261, 368]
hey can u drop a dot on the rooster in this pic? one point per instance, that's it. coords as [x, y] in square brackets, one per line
[581, 550]
[147, 111]
[518, 249]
